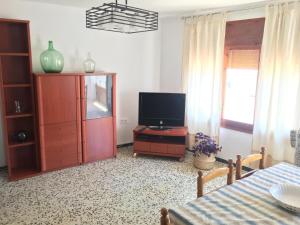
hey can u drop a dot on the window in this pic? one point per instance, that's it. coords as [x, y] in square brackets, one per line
[241, 75]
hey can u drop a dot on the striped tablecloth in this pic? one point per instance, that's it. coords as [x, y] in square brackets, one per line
[246, 201]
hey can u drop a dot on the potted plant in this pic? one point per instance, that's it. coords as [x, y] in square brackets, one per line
[205, 150]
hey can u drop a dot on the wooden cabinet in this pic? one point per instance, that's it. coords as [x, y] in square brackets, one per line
[61, 146]
[17, 95]
[76, 118]
[98, 94]
[160, 142]
[141, 146]
[159, 148]
[176, 149]
[58, 98]
[98, 139]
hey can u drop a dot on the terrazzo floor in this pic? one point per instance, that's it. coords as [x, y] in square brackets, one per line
[123, 190]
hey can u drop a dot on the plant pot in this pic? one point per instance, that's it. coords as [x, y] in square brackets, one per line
[203, 162]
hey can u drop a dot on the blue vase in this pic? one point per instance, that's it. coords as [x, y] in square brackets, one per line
[52, 61]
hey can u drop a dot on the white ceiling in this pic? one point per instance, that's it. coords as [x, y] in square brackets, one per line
[162, 6]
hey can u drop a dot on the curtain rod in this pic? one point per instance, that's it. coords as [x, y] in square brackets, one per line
[238, 8]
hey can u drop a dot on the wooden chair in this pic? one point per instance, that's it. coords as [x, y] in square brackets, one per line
[165, 220]
[250, 158]
[214, 174]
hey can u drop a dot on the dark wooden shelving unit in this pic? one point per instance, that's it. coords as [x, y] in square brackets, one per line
[13, 54]
[16, 85]
[12, 145]
[19, 115]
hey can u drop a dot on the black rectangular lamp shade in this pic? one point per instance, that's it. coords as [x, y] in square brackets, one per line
[121, 18]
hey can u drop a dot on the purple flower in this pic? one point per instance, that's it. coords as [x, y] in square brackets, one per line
[205, 145]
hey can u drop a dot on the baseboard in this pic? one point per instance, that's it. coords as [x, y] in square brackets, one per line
[245, 168]
[124, 145]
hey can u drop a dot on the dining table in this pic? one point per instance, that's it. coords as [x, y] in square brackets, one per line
[246, 201]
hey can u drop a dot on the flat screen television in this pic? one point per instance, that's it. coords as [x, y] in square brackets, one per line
[161, 109]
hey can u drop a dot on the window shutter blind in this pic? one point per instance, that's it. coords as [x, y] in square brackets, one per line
[243, 59]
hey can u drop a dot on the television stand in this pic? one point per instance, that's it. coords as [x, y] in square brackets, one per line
[159, 128]
[159, 142]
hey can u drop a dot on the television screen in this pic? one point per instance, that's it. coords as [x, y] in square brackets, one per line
[161, 109]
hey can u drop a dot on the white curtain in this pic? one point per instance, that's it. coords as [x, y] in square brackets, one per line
[203, 53]
[278, 93]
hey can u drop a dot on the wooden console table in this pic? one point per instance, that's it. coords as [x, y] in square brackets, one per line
[160, 142]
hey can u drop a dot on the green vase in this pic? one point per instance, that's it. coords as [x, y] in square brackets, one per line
[52, 61]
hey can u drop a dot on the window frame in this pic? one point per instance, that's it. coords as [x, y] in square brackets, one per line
[230, 124]
[241, 35]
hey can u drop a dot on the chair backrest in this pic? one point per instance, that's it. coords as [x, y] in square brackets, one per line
[249, 159]
[214, 174]
[164, 219]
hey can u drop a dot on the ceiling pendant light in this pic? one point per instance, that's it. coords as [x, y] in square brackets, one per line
[121, 18]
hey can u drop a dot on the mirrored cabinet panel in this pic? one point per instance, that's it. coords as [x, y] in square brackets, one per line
[98, 92]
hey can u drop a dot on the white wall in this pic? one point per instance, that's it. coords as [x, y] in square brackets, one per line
[135, 58]
[171, 54]
[233, 142]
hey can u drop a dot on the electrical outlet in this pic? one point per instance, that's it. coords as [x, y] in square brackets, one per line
[124, 121]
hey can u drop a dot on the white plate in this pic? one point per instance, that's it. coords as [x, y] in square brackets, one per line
[287, 196]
